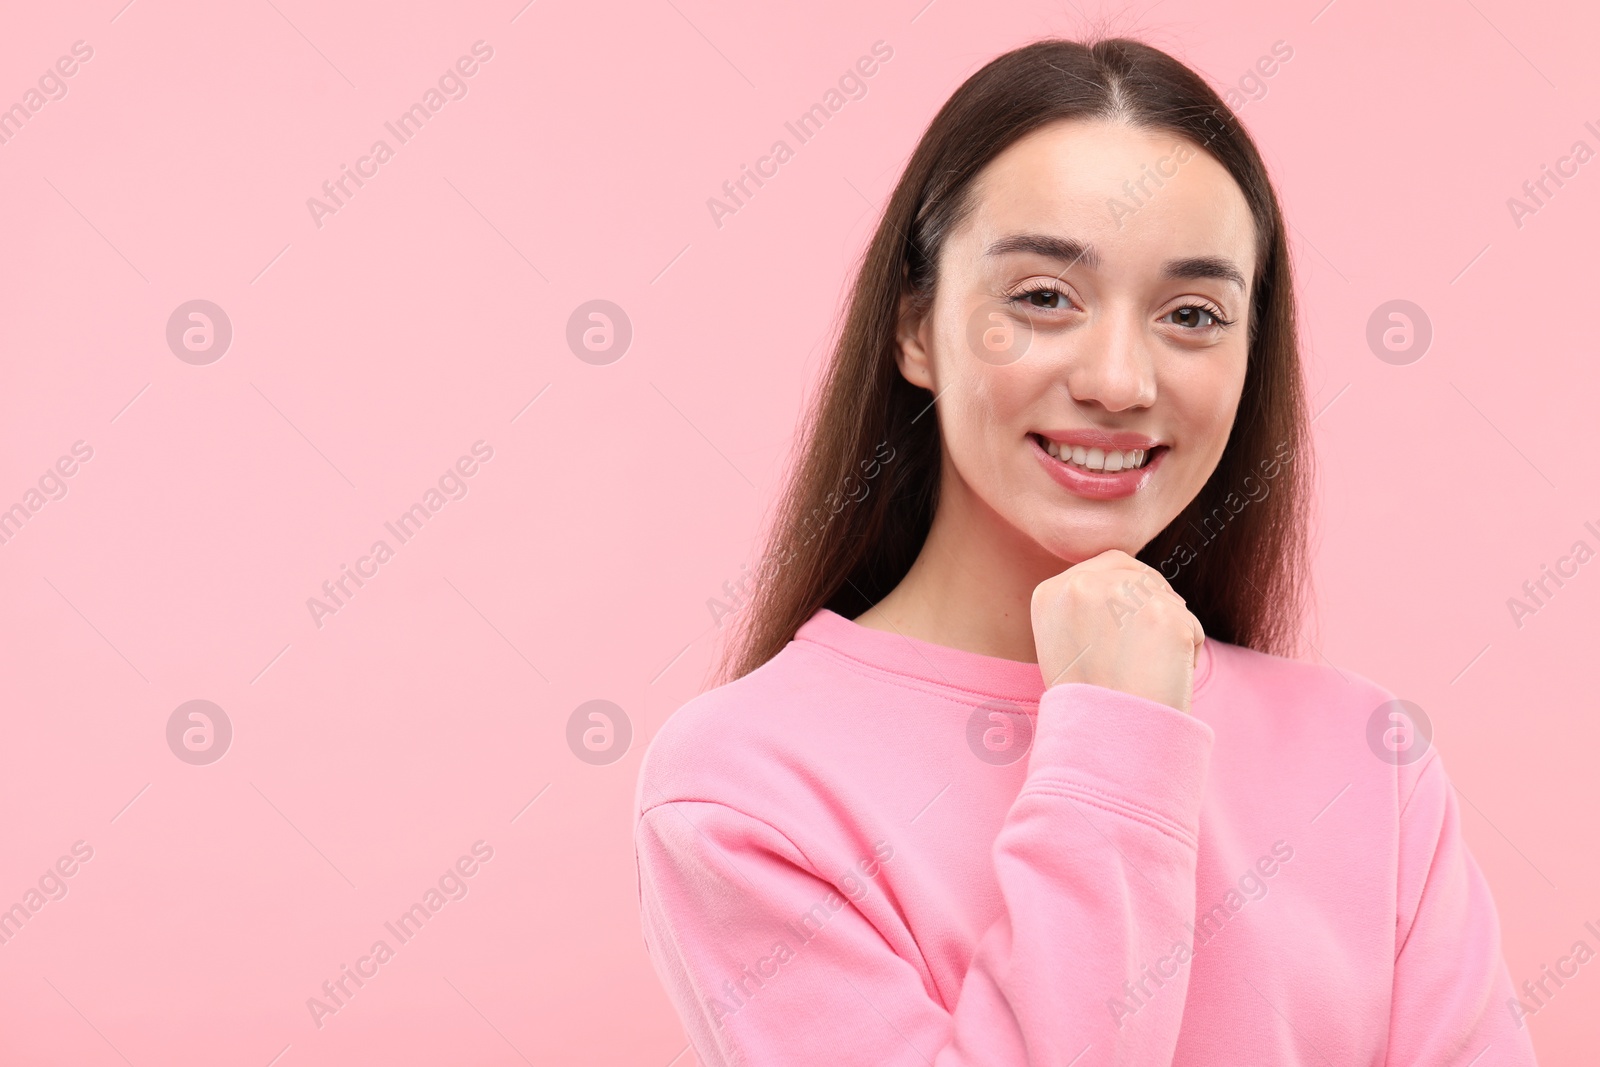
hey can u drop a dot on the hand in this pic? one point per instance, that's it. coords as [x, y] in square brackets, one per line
[1115, 622]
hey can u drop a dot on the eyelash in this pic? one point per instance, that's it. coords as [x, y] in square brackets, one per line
[1203, 305]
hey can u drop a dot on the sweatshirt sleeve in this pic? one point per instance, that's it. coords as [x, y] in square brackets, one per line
[1453, 997]
[1095, 864]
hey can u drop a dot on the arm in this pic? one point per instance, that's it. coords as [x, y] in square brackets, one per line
[1095, 864]
[1452, 991]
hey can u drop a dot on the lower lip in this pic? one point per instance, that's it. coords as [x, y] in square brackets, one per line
[1097, 485]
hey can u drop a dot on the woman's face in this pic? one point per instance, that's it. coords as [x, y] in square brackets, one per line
[1080, 310]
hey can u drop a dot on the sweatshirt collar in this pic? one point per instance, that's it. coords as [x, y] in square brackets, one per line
[940, 665]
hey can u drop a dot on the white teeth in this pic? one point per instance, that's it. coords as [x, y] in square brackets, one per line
[1098, 459]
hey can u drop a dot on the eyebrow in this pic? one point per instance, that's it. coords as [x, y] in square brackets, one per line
[1071, 251]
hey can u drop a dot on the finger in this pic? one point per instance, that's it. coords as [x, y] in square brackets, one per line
[1155, 576]
[1166, 584]
[1155, 581]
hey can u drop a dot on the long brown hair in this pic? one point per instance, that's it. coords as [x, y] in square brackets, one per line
[1239, 560]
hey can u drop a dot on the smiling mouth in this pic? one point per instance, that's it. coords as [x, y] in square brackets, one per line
[1098, 460]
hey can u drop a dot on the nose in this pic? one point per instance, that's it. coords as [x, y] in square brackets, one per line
[1111, 364]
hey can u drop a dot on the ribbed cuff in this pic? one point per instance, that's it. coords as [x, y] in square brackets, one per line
[1143, 757]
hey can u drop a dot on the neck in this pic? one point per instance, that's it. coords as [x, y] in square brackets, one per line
[971, 586]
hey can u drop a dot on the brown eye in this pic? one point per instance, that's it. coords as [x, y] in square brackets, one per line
[1043, 298]
[1188, 317]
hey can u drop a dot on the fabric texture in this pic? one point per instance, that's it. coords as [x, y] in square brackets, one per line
[877, 850]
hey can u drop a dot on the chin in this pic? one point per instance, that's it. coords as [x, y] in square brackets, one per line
[1077, 546]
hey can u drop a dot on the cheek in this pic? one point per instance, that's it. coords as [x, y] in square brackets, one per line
[1206, 401]
[964, 426]
[988, 412]
[1226, 403]
[976, 400]
[981, 422]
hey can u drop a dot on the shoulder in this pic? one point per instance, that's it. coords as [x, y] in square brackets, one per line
[733, 744]
[1284, 683]
[1330, 713]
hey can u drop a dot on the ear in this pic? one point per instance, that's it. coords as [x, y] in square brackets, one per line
[913, 352]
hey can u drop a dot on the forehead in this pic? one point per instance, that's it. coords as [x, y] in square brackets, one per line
[1097, 181]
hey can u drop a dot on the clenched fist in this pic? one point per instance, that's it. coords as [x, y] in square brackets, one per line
[1115, 622]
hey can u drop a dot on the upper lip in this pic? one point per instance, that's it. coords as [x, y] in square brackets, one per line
[1121, 440]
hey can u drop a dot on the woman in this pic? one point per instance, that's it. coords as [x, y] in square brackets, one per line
[1011, 765]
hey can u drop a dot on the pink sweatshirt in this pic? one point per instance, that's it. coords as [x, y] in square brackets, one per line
[876, 850]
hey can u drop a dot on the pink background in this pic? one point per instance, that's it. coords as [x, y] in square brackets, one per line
[372, 352]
